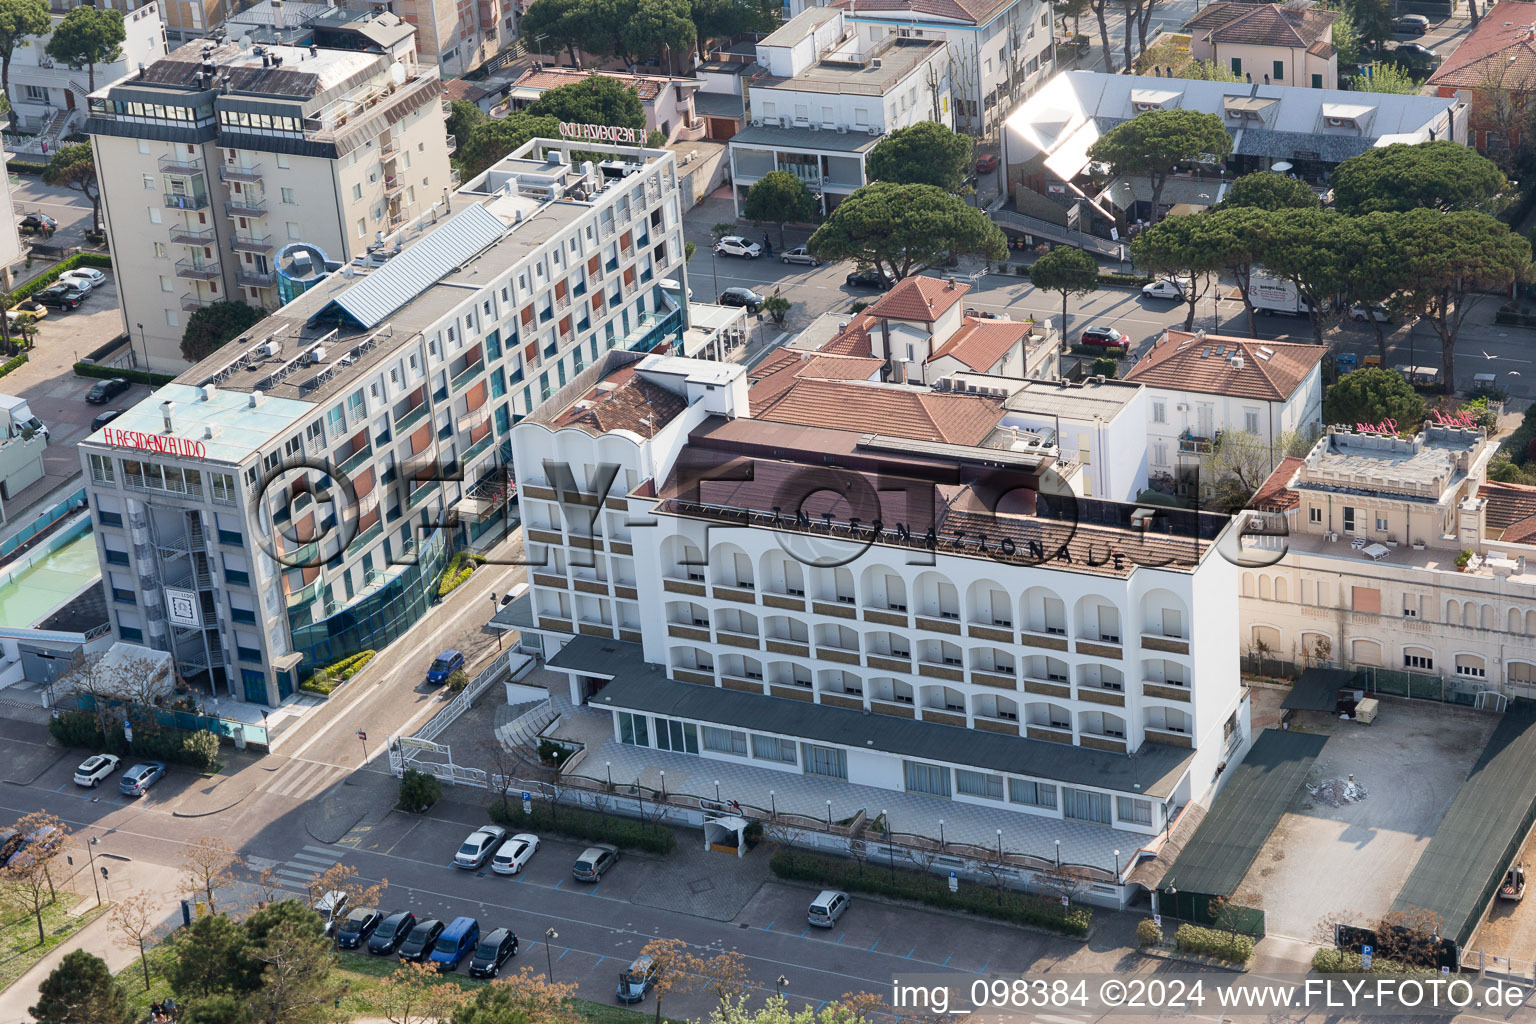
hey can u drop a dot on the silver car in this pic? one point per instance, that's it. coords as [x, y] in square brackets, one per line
[799, 254]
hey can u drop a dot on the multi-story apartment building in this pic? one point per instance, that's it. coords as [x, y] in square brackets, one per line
[45, 92]
[825, 96]
[289, 500]
[1399, 556]
[874, 583]
[183, 19]
[221, 155]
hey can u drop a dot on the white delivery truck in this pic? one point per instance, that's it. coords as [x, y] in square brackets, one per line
[1276, 295]
[16, 418]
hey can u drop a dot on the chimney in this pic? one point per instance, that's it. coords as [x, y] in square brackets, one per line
[950, 285]
[166, 408]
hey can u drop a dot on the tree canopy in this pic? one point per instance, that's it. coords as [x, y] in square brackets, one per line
[1186, 247]
[462, 118]
[216, 325]
[495, 137]
[1385, 77]
[1307, 248]
[18, 20]
[88, 36]
[1438, 175]
[81, 990]
[1270, 191]
[926, 153]
[900, 229]
[1373, 395]
[1068, 271]
[1153, 143]
[726, 19]
[564, 23]
[596, 99]
[779, 197]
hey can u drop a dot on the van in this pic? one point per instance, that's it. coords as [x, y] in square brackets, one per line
[457, 942]
[1371, 361]
[827, 908]
[1484, 384]
[638, 979]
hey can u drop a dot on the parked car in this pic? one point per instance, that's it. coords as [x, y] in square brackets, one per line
[63, 295]
[1346, 361]
[137, 780]
[1416, 54]
[456, 942]
[1163, 289]
[31, 307]
[391, 932]
[10, 842]
[103, 418]
[418, 944]
[1410, 25]
[594, 860]
[1364, 314]
[93, 769]
[494, 949]
[987, 162]
[515, 854]
[357, 927]
[868, 277]
[445, 665]
[49, 837]
[744, 297]
[640, 977]
[827, 907]
[799, 254]
[735, 245]
[330, 906]
[32, 223]
[84, 278]
[478, 848]
[105, 389]
[1105, 337]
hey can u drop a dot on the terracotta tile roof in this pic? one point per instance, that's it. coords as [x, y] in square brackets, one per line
[648, 86]
[899, 412]
[981, 343]
[1271, 371]
[1511, 512]
[464, 89]
[779, 372]
[975, 12]
[1322, 49]
[627, 406]
[854, 341]
[1292, 25]
[1499, 51]
[1275, 494]
[923, 299]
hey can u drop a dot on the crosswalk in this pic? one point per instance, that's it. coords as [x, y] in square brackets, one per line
[301, 780]
[295, 873]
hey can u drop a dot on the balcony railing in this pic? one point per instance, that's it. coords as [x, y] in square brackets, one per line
[192, 202]
[468, 374]
[393, 186]
[250, 243]
[246, 207]
[231, 173]
[411, 418]
[1191, 443]
[453, 145]
[182, 235]
[357, 460]
[255, 278]
[480, 445]
[192, 302]
[181, 165]
[198, 271]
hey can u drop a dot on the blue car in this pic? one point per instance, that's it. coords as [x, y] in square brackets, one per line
[456, 942]
[447, 663]
[140, 777]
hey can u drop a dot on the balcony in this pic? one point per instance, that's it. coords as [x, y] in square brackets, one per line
[1001, 633]
[1096, 741]
[250, 243]
[192, 202]
[936, 670]
[681, 632]
[838, 654]
[1049, 639]
[229, 172]
[944, 716]
[421, 493]
[1165, 644]
[1006, 726]
[740, 593]
[411, 418]
[730, 639]
[888, 662]
[389, 150]
[834, 609]
[1050, 733]
[393, 186]
[245, 206]
[942, 624]
[187, 236]
[181, 164]
[453, 145]
[191, 303]
[357, 460]
[794, 648]
[885, 618]
[993, 677]
[468, 374]
[1169, 737]
[1100, 647]
[676, 586]
[198, 271]
[785, 601]
[479, 446]
[896, 709]
[1191, 443]
[1100, 695]
[253, 278]
[1048, 687]
[1165, 690]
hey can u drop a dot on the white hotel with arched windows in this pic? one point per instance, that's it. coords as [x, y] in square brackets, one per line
[727, 596]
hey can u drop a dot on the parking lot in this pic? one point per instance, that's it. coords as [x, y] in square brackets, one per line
[1348, 848]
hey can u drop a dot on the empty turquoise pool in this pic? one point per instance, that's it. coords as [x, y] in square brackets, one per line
[37, 585]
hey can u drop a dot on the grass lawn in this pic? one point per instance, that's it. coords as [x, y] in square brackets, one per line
[19, 948]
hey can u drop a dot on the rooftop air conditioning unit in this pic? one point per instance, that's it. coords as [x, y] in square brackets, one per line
[783, 122]
[876, 63]
[1337, 122]
[814, 127]
[757, 122]
[873, 130]
[842, 129]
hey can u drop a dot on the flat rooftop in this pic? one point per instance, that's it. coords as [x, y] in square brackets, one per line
[869, 77]
[1421, 468]
[1084, 400]
[238, 428]
[300, 76]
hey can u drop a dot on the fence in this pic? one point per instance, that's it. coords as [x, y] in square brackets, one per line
[1384, 681]
[41, 523]
[240, 733]
[498, 671]
[1211, 911]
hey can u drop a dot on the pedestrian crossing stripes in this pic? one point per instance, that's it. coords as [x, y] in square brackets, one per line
[300, 868]
[302, 780]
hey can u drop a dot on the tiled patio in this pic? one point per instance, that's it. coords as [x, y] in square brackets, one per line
[768, 789]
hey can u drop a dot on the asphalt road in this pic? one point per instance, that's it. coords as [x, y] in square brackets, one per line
[67, 206]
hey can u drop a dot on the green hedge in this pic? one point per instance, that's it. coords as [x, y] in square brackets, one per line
[1237, 949]
[332, 676]
[1117, 280]
[12, 363]
[587, 825]
[98, 260]
[154, 380]
[921, 887]
[459, 569]
[26, 166]
[1102, 352]
[198, 749]
[1339, 961]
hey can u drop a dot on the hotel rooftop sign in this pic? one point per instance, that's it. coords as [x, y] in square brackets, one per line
[165, 444]
[601, 133]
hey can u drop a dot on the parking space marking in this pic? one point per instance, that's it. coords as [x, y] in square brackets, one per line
[769, 926]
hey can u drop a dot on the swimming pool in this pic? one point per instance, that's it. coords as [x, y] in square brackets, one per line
[36, 586]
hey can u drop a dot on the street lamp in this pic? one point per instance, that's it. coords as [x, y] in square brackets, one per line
[717, 791]
[829, 815]
[663, 785]
[773, 807]
[778, 985]
[1117, 867]
[550, 935]
[609, 766]
[91, 853]
[999, 846]
[143, 342]
[1058, 853]
[941, 833]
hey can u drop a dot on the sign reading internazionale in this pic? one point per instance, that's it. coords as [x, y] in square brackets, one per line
[164, 443]
[600, 133]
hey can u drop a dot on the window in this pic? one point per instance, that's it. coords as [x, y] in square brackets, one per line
[825, 761]
[678, 737]
[172, 318]
[37, 94]
[165, 284]
[1410, 606]
[160, 251]
[771, 748]
[972, 783]
[1035, 794]
[634, 729]
[282, 161]
[287, 196]
[1251, 420]
[1138, 812]
[149, 182]
[1159, 454]
[293, 231]
[1418, 657]
[1470, 666]
[116, 557]
[1279, 74]
[1083, 805]
[1237, 67]
[1317, 81]
[1349, 519]
[926, 778]
[1314, 514]
[725, 741]
[1159, 411]
[357, 191]
[1381, 524]
[101, 469]
[362, 226]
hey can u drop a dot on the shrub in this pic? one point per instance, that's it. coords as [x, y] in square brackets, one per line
[47, 277]
[457, 572]
[12, 363]
[197, 748]
[332, 676]
[1100, 352]
[1112, 279]
[860, 306]
[1148, 933]
[585, 825]
[457, 680]
[418, 791]
[1104, 367]
[920, 887]
[26, 166]
[1342, 961]
[1462, 559]
[553, 753]
[201, 748]
[154, 380]
[1237, 949]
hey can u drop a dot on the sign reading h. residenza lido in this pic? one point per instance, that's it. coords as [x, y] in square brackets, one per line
[163, 443]
[599, 133]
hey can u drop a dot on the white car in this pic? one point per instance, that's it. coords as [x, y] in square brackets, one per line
[735, 245]
[1163, 289]
[332, 907]
[83, 278]
[1366, 313]
[515, 854]
[479, 846]
[93, 769]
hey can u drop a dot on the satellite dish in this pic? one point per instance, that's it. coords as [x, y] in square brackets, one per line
[397, 73]
[245, 41]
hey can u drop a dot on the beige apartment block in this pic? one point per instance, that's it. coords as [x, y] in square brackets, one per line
[220, 156]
